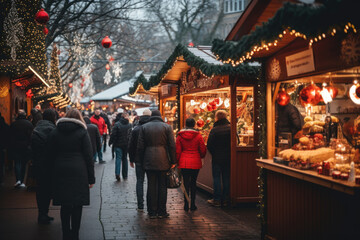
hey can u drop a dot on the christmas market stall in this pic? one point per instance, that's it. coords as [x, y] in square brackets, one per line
[310, 166]
[193, 84]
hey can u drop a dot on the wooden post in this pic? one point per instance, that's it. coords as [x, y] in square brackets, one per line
[270, 123]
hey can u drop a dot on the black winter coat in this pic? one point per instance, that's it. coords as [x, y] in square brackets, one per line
[39, 146]
[73, 165]
[94, 135]
[4, 129]
[156, 145]
[289, 119]
[119, 134]
[219, 142]
[20, 134]
[133, 139]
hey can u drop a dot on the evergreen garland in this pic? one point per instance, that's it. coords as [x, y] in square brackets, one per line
[310, 20]
[244, 70]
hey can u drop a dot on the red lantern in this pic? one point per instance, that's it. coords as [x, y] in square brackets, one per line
[107, 67]
[42, 17]
[106, 42]
[200, 123]
[70, 85]
[283, 98]
[333, 91]
[310, 95]
[191, 44]
[46, 30]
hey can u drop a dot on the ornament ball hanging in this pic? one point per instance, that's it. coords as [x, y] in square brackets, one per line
[283, 98]
[200, 123]
[106, 42]
[70, 85]
[42, 17]
[46, 30]
[310, 95]
[107, 67]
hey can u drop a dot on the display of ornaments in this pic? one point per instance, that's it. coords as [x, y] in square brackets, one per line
[310, 95]
[283, 98]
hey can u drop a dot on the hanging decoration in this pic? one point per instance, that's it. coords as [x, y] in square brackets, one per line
[106, 42]
[29, 93]
[46, 30]
[107, 66]
[191, 44]
[117, 71]
[200, 123]
[283, 98]
[107, 77]
[332, 90]
[13, 29]
[42, 17]
[70, 85]
[350, 49]
[354, 92]
[310, 95]
[325, 94]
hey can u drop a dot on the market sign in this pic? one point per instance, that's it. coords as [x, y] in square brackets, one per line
[301, 62]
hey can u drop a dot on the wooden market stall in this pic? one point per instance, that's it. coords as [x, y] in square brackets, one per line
[200, 85]
[308, 186]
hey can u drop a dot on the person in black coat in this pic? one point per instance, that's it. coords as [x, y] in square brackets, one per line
[156, 149]
[139, 170]
[72, 170]
[289, 120]
[119, 138]
[107, 122]
[41, 164]
[94, 135]
[219, 145]
[4, 129]
[20, 139]
[35, 116]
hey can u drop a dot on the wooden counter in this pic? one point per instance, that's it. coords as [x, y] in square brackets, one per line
[300, 204]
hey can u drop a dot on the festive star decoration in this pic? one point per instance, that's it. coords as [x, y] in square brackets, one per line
[107, 77]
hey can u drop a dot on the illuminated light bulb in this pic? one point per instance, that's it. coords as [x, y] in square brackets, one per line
[334, 30]
[270, 44]
[326, 95]
[275, 44]
[315, 39]
[319, 37]
[284, 32]
[345, 30]
[280, 35]
[323, 35]
[347, 27]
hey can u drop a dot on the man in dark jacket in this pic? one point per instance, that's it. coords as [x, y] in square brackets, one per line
[107, 122]
[41, 164]
[94, 135]
[156, 149]
[4, 130]
[289, 120]
[219, 146]
[20, 139]
[139, 170]
[119, 137]
[100, 123]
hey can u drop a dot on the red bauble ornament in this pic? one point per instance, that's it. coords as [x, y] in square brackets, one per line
[81, 95]
[191, 44]
[82, 84]
[46, 30]
[70, 85]
[283, 98]
[106, 42]
[310, 95]
[200, 123]
[42, 17]
[217, 101]
[333, 91]
[196, 110]
[83, 80]
[209, 107]
[107, 67]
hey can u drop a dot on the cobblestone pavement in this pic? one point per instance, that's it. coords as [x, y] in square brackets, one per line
[121, 220]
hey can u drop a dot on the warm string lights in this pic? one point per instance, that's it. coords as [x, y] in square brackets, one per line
[265, 46]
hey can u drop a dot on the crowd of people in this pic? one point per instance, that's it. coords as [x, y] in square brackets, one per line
[64, 147]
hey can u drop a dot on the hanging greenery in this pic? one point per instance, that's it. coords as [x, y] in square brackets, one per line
[192, 60]
[308, 21]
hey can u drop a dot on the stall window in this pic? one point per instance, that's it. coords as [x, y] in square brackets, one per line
[245, 116]
[170, 113]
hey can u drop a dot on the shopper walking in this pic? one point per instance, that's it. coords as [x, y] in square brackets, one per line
[190, 148]
[94, 135]
[73, 170]
[156, 148]
[20, 139]
[108, 129]
[4, 129]
[119, 138]
[100, 123]
[41, 164]
[219, 146]
[134, 158]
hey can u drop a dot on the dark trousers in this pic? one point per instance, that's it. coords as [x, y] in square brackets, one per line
[104, 142]
[121, 161]
[2, 163]
[157, 192]
[43, 195]
[221, 172]
[70, 221]
[21, 158]
[189, 177]
[140, 176]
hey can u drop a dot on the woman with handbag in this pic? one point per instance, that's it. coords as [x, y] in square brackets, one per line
[190, 148]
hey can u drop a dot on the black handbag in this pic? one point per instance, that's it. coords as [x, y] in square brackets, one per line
[173, 179]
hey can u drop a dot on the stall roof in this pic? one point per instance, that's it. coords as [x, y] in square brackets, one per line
[310, 22]
[29, 78]
[85, 100]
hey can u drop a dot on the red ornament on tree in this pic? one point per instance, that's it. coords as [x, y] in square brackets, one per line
[82, 84]
[46, 30]
[310, 95]
[81, 95]
[70, 85]
[283, 98]
[191, 44]
[200, 123]
[42, 17]
[107, 67]
[332, 90]
[106, 42]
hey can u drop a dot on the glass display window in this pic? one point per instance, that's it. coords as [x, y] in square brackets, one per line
[170, 113]
[203, 106]
[245, 116]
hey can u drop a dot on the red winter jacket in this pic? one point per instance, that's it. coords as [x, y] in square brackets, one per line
[100, 123]
[190, 148]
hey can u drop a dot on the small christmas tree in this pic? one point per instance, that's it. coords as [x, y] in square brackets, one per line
[54, 76]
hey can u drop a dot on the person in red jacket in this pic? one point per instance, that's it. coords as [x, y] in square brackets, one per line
[190, 148]
[100, 123]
